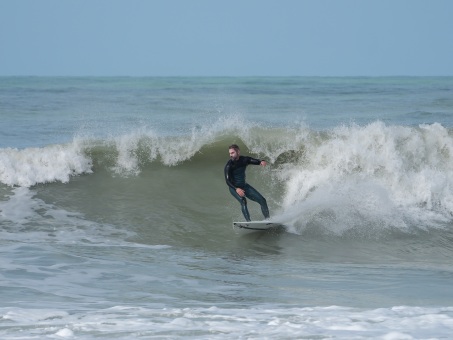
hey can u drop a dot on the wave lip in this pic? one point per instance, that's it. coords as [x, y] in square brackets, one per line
[31, 166]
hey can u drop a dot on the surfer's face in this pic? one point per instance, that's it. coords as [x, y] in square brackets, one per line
[234, 154]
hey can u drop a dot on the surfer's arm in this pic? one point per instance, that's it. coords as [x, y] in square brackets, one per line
[255, 161]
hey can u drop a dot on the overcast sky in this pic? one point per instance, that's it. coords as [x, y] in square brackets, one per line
[226, 37]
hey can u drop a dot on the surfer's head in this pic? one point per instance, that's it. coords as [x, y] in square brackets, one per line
[234, 151]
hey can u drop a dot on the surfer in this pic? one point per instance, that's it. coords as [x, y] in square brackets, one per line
[235, 179]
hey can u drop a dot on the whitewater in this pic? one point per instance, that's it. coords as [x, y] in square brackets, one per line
[116, 222]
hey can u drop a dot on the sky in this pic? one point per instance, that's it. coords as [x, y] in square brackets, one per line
[226, 38]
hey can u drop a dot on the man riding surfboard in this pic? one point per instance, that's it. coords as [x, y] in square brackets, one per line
[235, 179]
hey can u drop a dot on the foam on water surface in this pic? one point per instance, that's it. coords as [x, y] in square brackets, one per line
[123, 322]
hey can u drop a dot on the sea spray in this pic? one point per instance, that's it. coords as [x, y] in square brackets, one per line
[396, 174]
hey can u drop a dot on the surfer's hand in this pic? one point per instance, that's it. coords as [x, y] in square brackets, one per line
[263, 163]
[240, 192]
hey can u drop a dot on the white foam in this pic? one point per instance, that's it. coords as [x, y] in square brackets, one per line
[401, 322]
[396, 174]
[20, 207]
[65, 333]
[52, 163]
[44, 222]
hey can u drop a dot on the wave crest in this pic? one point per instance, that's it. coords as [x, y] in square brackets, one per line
[52, 163]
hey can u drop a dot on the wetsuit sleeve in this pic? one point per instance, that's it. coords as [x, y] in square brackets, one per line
[228, 175]
[253, 161]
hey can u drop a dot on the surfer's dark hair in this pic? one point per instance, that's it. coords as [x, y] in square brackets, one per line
[233, 146]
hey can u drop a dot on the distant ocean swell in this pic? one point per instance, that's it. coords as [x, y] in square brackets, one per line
[403, 173]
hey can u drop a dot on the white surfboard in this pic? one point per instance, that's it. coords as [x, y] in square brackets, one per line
[257, 225]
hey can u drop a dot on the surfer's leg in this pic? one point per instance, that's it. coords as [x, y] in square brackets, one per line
[255, 196]
[243, 202]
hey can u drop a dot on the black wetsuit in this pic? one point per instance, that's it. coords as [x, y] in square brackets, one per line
[235, 178]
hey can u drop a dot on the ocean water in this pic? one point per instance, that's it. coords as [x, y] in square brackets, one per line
[116, 222]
